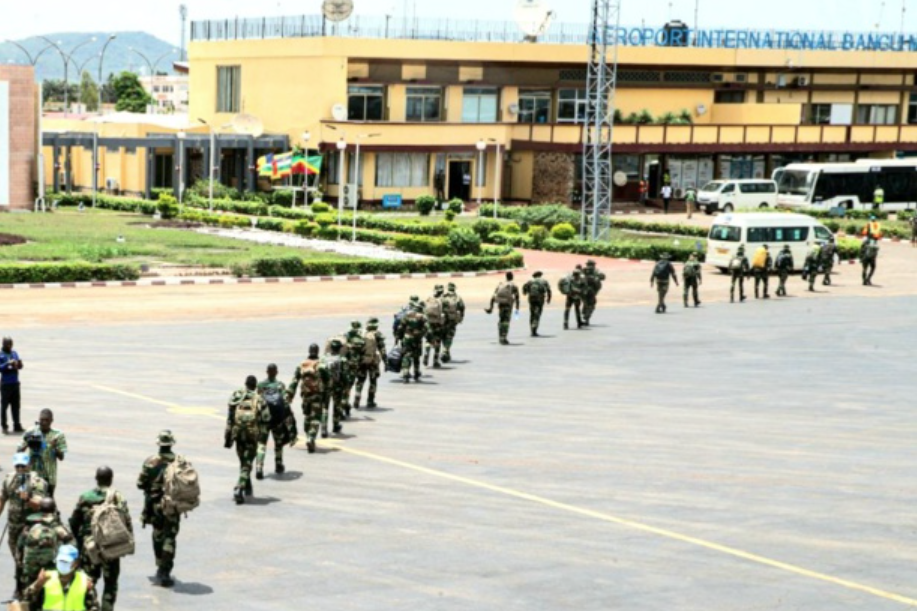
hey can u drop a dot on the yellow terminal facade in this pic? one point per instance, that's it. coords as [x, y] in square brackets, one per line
[422, 109]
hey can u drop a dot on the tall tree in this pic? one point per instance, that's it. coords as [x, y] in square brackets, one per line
[89, 92]
[132, 97]
[53, 91]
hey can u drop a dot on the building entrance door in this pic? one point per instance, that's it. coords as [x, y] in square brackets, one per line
[460, 180]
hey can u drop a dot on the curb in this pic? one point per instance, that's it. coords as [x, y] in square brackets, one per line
[235, 281]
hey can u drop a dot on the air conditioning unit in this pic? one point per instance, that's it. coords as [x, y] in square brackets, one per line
[718, 77]
[740, 78]
[111, 184]
[802, 81]
[781, 80]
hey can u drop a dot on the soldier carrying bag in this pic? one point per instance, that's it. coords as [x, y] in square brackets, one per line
[393, 361]
[111, 538]
[433, 308]
[181, 489]
[504, 294]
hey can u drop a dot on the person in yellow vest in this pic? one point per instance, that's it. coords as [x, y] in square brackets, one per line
[878, 197]
[761, 266]
[872, 230]
[65, 589]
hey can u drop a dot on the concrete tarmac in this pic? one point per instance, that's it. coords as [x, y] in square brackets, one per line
[742, 457]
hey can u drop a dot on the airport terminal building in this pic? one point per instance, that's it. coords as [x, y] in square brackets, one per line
[473, 108]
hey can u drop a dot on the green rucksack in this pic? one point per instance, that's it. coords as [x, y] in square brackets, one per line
[535, 289]
[565, 285]
[245, 424]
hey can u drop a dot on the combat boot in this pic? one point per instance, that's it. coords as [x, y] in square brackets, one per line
[356, 403]
[259, 473]
[310, 445]
[437, 364]
[371, 402]
[447, 357]
[249, 491]
[406, 379]
[279, 469]
[337, 428]
[417, 376]
[426, 358]
[164, 579]
[566, 326]
[237, 496]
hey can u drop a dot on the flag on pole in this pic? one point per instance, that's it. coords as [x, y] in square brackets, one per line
[311, 166]
[275, 166]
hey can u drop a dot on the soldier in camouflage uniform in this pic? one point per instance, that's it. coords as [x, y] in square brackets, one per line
[81, 526]
[273, 392]
[38, 545]
[353, 340]
[247, 422]
[454, 309]
[333, 371]
[373, 357]
[506, 298]
[738, 270]
[410, 332]
[783, 265]
[165, 525]
[869, 254]
[309, 380]
[436, 326]
[812, 265]
[21, 495]
[692, 275]
[592, 281]
[662, 273]
[53, 448]
[538, 291]
[572, 288]
[827, 260]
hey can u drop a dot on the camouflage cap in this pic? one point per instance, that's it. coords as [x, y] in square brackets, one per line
[337, 343]
[590, 263]
[439, 287]
[538, 274]
[356, 324]
[373, 321]
[451, 286]
[786, 247]
[665, 256]
[741, 249]
[577, 272]
[165, 438]
[415, 299]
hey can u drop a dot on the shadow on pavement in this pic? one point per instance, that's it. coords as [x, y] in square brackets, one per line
[261, 501]
[192, 589]
[289, 476]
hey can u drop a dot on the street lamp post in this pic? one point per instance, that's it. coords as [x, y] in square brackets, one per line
[212, 164]
[481, 146]
[353, 235]
[342, 147]
[306, 136]
[497, 176]
[181, 166]
[67, 58]
[101, 59]
[32, 60]
[152, 65]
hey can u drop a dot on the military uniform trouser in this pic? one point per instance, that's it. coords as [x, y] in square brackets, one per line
[589, 304]
[506, 315]
[737, 279]
[574, 303]
[762, 277]
[813, 277]
[277, 433]
[782, 276]
[165, 535]
[662, 289]
[30, 570]
[869, 268]
[246, 451]
[333, 402]
[349, 378]
[312, 408]
[368, 371]
[691, 286]
[829, 267]
[448, 337]
[110, 571]
[410, 349]
[536, 308]
[434, 342]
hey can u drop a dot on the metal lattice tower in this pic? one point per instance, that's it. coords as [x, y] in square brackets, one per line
[599, 120]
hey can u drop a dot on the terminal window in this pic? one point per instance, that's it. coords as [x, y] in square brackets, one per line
[729, 97]
[480, 105]
[572, 105]
[229, 88]
[877, 114]
[402, 170]
[424, 104]
[366, 103]
[535, 106]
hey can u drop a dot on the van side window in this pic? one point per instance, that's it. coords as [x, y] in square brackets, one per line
[748, 187]
[724, 233]
[768, 187]
[730, 188]
[823, 234]
[760, 234]
[789, 234]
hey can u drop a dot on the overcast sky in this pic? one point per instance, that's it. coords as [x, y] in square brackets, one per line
[160, 17]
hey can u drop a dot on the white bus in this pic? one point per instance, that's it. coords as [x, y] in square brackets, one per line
[730, 231]
[847, 185]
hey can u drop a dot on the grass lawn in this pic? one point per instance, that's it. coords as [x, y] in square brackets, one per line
[91, 236]
[437, 217]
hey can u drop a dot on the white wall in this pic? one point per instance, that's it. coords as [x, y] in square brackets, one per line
[4, 143]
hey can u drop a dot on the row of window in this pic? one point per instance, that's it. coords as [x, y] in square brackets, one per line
[392, 169]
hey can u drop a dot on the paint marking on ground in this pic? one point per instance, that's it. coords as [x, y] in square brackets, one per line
[582, 511]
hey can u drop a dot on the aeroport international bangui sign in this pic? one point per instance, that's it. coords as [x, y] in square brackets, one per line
[763, 39]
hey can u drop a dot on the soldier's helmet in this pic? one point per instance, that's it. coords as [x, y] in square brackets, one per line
[577, 273]
[165, 438]
[538, 274]
[313, 349]
[590, 263]
[372, 321]
[336, 344]
[372, 326]
[439, 288]
[766, 247]
[741, 250]
[47, 505]
[786, 247]
[356, 324]
[415, 299]
[20, 459]
[451, 286]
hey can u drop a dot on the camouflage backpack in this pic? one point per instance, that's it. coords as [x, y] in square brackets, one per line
[274, 399]
[111, 538]
[41, 543]
[181, 489]
[736, 263]
[451, 308]
[245, 421]
[334, 365]
[504, 295]
[356, 345]
[413, 324]
[434, 310]
[534, 289]
[565, 285]
[370, 349]
[311, 382]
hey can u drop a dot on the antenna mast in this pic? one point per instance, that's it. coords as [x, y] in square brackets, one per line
[183, 11]
[599, 125]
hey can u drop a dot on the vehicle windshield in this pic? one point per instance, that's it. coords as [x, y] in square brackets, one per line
[725, 233]
[716, 185]
[795, 182]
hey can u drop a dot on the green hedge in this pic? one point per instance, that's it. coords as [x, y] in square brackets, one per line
[906, 215]
[656, 227]
[622, 249]
[107, 202]
[547, 215]
[422, 245]
[890, 229]
[296, 267]
[255, 208]
[848, 248]
[65, 272]
[856, 215]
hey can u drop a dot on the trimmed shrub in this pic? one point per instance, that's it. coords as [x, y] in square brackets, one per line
[305, 228]
[646, 251]
[450, 216]
[517, 240]
[167, 206]
[65, 272]
[512, 228]
[456, 206]
[282, 198]
[270, 224]
[325, 220]
[423, 245]
[296, 267]
[320, 207]
[906, 215]
[201, 188]
[425, 204]
[848, 248]
[547, 215]
[484, 227]
[539, 234]
[563, 232]
[664, 228]
[463, 241]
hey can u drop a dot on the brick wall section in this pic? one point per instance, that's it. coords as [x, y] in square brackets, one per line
[553, 178]
[23, 133]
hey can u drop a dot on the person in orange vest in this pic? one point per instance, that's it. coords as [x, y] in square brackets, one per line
[873, 229]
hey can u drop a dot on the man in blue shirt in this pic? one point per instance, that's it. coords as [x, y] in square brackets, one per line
[10, 364]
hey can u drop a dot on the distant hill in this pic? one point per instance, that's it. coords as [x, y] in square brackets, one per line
[118, 56]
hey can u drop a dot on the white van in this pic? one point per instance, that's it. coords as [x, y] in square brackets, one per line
[730, 195]
[754, 229]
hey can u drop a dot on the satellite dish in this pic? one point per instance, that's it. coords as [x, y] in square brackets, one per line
[514, 109]
[620, 179]
[701, 110]
[533, 17]
[247, 125]
[337, 10]
[339, 112]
